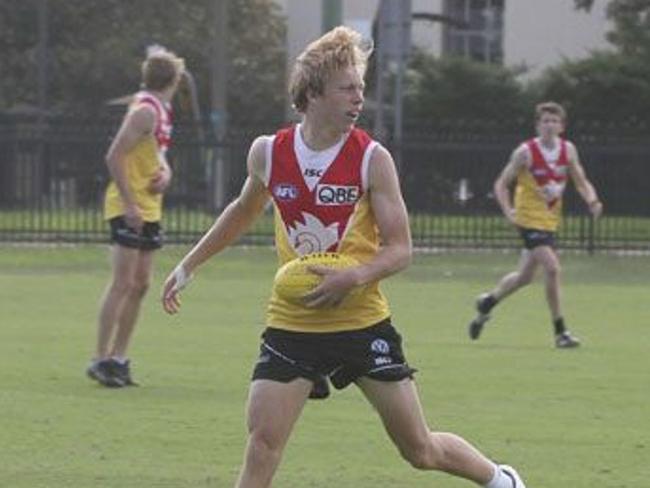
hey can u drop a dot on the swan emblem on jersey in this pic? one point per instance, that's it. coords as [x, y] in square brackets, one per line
[552, 191]
[312, 235]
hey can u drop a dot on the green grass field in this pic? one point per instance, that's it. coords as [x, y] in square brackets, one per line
[570, 419]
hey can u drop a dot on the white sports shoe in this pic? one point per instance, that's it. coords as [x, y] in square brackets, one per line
[511, 473]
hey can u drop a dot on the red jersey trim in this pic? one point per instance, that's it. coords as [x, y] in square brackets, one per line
[163, 125]
[542, 172]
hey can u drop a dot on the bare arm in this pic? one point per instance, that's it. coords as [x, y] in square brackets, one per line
[583, 185]
[230, 225]
[518, 161]
[392, 220]
[137, 124]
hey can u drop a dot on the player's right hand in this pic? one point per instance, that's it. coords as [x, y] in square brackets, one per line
[333, 289]
[511, 215]
[133, 217]
[596, 208]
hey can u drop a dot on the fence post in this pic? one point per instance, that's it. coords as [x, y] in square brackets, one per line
[591, 246]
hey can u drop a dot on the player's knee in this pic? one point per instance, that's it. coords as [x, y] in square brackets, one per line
[130, 287]
[263, 448]
[139, 287]
[421, 455]
[553, 270]
[122, 286]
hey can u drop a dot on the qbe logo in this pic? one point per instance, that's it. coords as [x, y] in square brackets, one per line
[285, 191]
[336, 195]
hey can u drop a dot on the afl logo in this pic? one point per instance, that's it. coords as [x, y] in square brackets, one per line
[380, 346]
[285, 191]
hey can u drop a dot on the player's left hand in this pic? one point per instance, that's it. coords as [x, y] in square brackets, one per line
[160, 181]
[335, 286]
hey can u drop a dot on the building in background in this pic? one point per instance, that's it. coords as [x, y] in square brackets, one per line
[532, 33]
[542, 34]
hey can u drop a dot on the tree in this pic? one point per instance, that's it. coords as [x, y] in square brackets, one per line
[461, 89]
[631, 34]
[631, 18]
[609, 85]
[96, 47]
[605, 87]
[584, 4]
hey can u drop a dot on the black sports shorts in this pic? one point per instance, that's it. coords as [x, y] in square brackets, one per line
[341, 357]
[534, 237]
[148, 239]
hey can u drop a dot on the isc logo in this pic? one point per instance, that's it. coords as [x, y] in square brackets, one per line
[313, 173]
[336, 195]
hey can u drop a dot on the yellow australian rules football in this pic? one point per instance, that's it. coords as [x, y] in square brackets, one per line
[294, 280]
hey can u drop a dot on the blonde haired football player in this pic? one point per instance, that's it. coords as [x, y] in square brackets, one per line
[333, 189]
[140, 175]
[541, 168]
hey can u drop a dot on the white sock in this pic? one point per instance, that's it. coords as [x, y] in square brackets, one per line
[499, 480]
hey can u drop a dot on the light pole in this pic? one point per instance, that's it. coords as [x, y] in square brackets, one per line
[43, 41]
[393, 46]
[218, 101]
[331, 14]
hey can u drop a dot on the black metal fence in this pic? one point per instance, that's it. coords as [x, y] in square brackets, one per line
[52, 179]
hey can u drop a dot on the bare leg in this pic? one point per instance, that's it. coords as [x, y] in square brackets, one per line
[517, 279]
[399, 407]
[547, 257]
[124, 264]
[128, 315]
[273, 409]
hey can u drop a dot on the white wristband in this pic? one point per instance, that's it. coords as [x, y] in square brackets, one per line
[181, 277]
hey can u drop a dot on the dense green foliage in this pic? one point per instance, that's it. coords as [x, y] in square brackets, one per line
[608, 86]
[612, 85]
[458, 88]
[95, 51]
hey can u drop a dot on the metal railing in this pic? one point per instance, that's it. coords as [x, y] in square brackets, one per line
[52, 181]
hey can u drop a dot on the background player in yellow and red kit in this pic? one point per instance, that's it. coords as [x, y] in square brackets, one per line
[133, 207]
[333, 189]
[541, 167]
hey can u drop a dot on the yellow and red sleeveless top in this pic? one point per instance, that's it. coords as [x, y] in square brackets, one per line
[142, 164]
[539, 189]
[331, 214]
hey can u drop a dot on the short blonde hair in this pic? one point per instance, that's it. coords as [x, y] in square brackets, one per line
[161, 69]
[338, 49]
[553, 108]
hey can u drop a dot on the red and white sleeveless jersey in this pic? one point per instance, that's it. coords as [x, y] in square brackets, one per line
[538, 195]
[550, 176]
[143, 163]
[163, 128]
[322, 207]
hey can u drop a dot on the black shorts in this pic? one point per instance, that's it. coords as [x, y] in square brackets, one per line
[534, 238]
[149, 239]
[341, 357]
